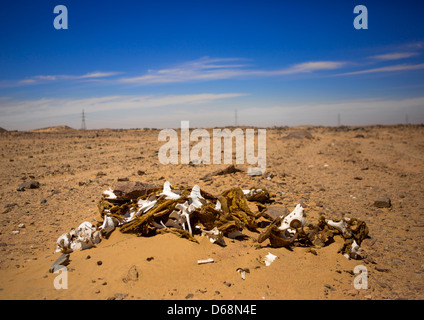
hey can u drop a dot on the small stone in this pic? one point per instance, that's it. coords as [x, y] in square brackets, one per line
[381, 269]
[132, 274]
[120, 296]
[352, 292]
[43, 201]
[28, 185]
[189, 296]
[383, 202]
[15, 232]
[21, 225]
[99, 263]
[329, 287]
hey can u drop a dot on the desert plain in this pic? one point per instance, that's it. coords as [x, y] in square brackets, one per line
[339, 172]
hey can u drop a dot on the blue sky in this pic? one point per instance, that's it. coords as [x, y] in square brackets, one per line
[132, 64]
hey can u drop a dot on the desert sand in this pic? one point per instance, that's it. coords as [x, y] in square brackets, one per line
[340, 172]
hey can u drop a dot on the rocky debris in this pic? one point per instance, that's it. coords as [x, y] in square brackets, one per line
[63, 260]
[118, 296]
[127, 190]
[132, 274]
[227, 170]
[383, 202]
[28, 185]
[299, 134]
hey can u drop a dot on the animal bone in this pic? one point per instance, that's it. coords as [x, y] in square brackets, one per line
[294, 219]
[341, 226]
[214, 235]
[356, 251]
[146, 205]
[168, 192]
[108, 225]
[269, 258]
[109, 194]
[210, 260]
[83, 237]
[185, 208]
[195, 197]
[243, 272]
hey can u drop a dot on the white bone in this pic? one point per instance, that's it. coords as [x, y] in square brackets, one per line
[184, 214]
[195, 197]
[83, 237]
[109, 194]
[269, 258]
[145, 205]
[293, 220]
[108, 225]
[243, 272]
[168, 192]
[214, 235]
[218, 206]
[340, 226]
[210, 260]
[251, 192]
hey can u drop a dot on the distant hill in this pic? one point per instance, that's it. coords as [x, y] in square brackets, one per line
[2, 130]
[54, 129]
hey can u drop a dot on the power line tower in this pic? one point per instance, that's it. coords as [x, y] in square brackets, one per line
[83, 126]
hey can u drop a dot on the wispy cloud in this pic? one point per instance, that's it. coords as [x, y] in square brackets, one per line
[395, 56]
[39, 79]
[218, 68]
[399, 67]
[12, 110]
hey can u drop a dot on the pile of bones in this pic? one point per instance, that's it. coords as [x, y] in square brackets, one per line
[148, 210]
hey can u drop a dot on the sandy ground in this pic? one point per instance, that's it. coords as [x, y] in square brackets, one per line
[339, 173]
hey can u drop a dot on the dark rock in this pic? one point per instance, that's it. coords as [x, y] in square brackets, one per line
[28, 185]
[99, 263]
[126, 190]
[189, 296]
[381, 269]
[383, 202]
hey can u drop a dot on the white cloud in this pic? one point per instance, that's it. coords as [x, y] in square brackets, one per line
[49, 78]
[395, 56]
[215, 69]
[399, 67]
